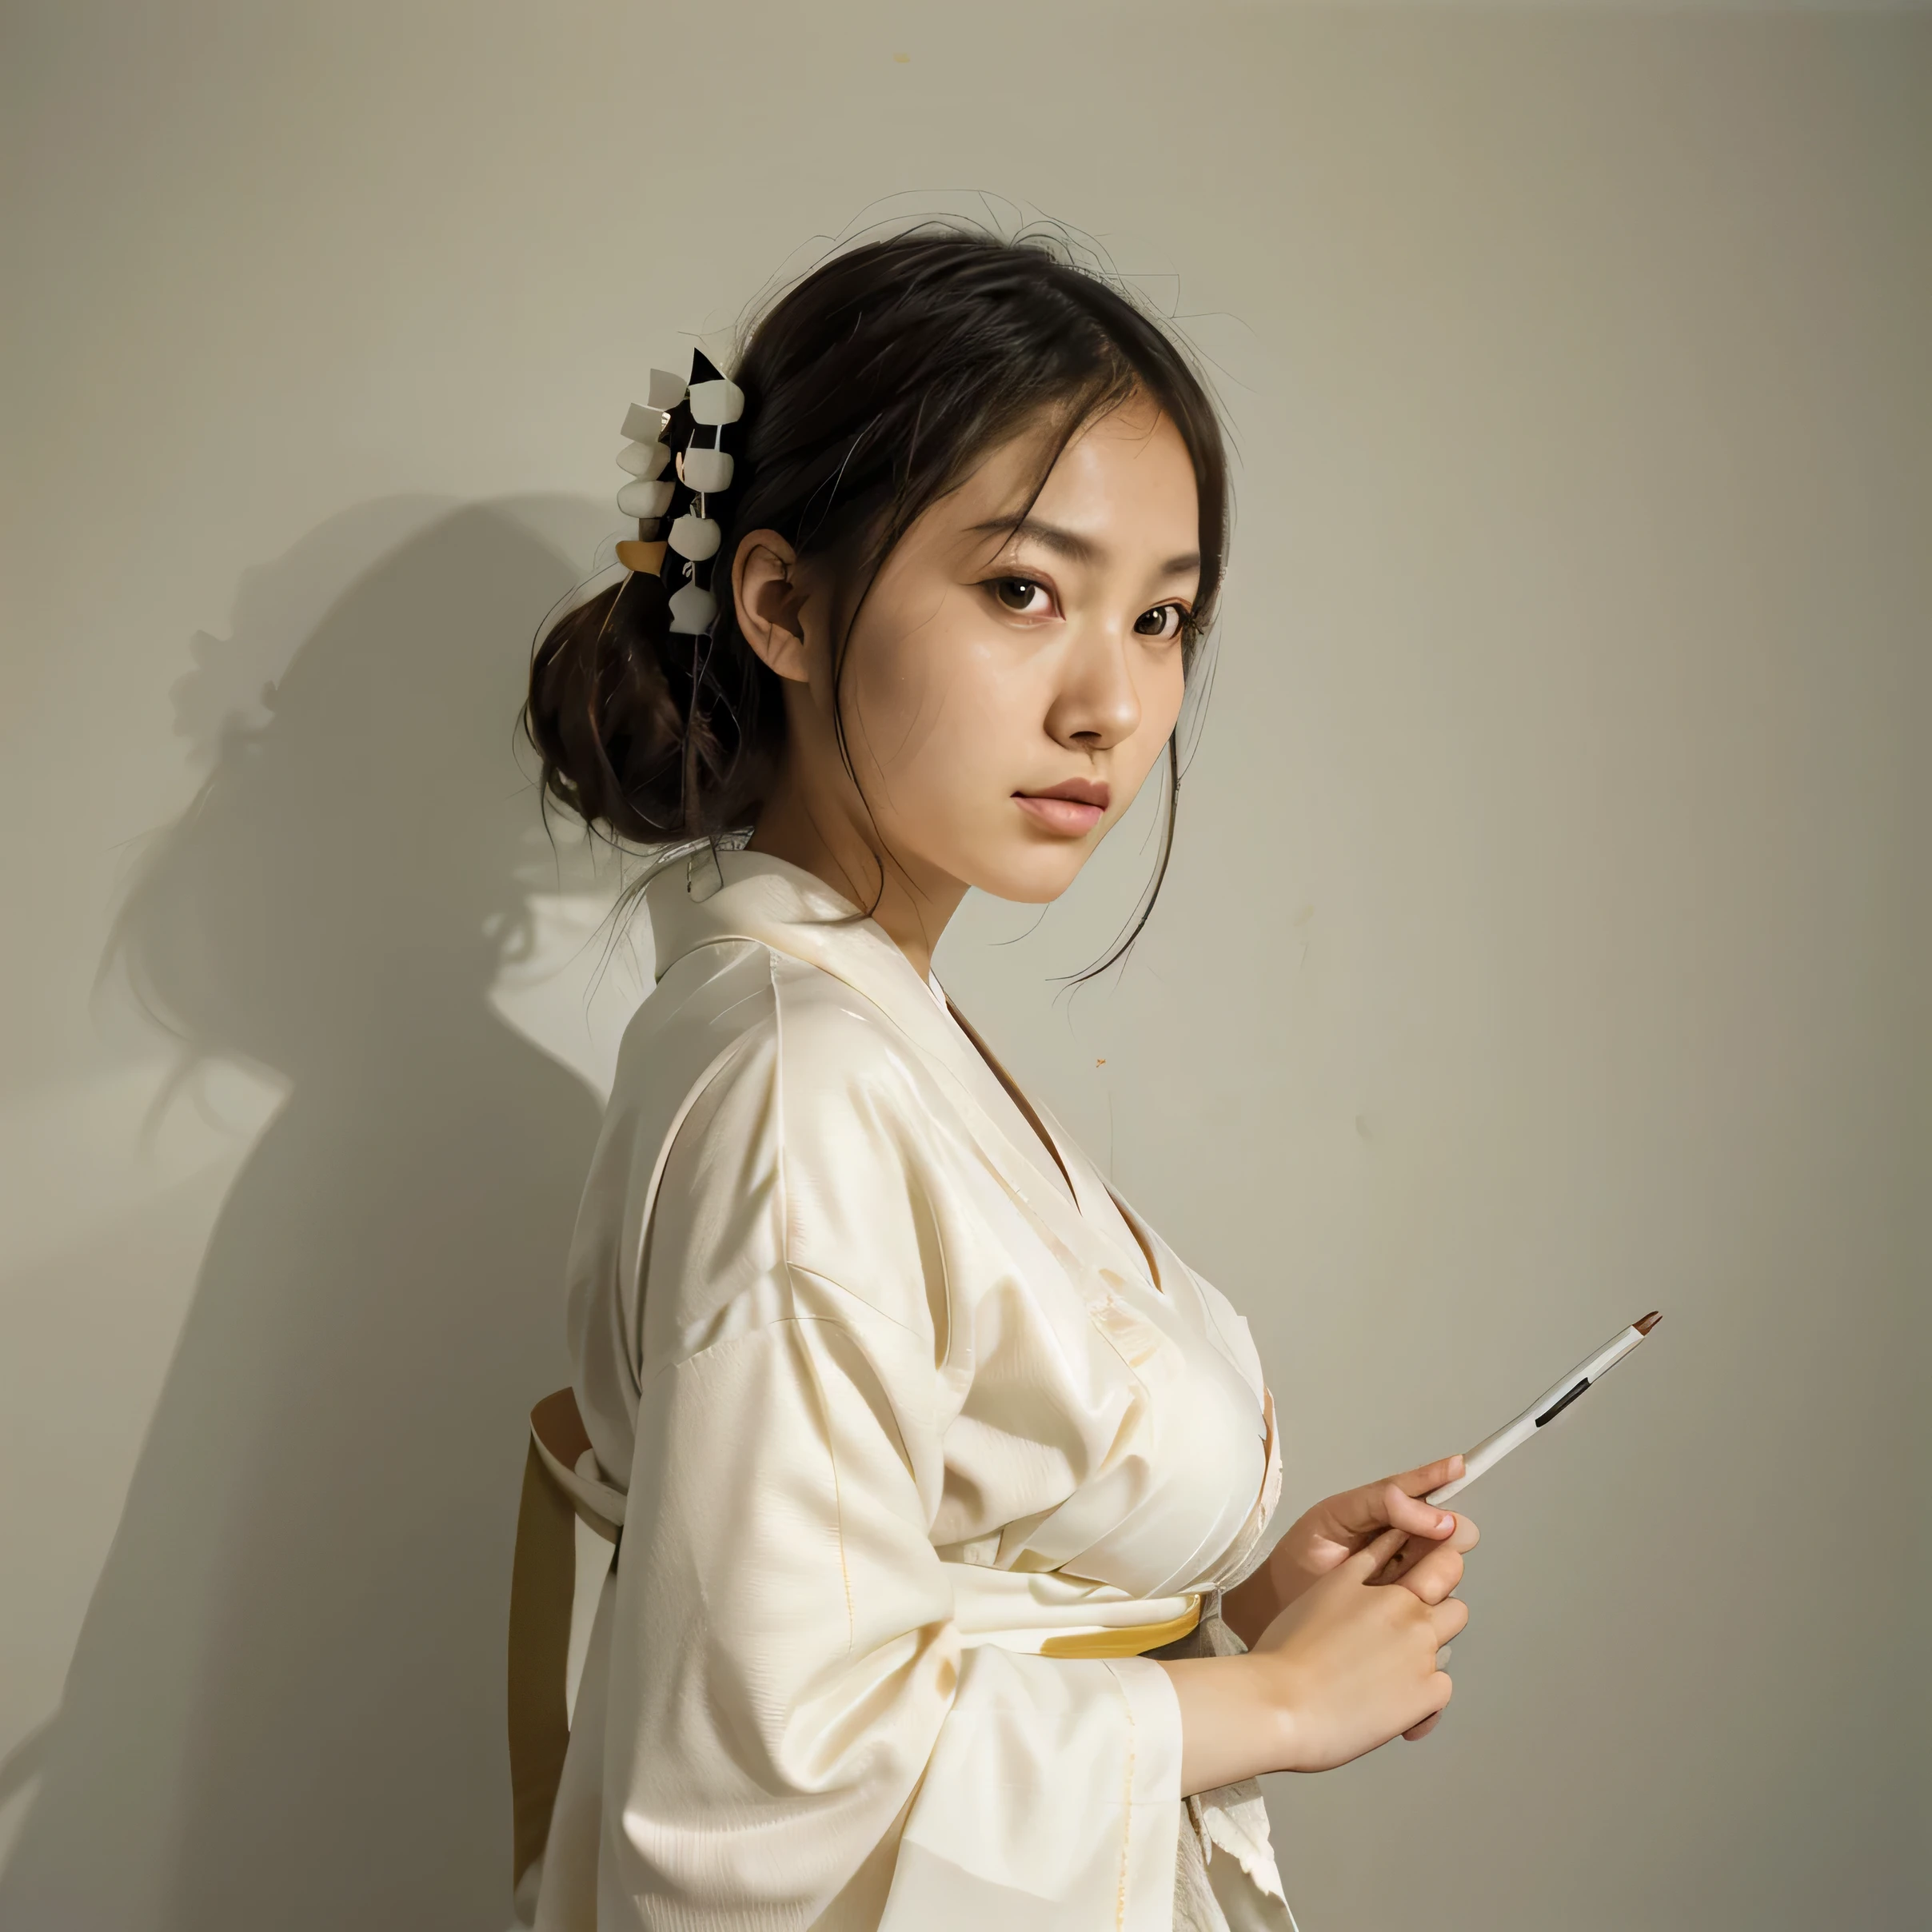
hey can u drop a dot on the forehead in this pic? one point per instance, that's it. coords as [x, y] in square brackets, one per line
[1124, 480]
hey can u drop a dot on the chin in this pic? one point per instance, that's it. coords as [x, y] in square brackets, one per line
[1036, 876]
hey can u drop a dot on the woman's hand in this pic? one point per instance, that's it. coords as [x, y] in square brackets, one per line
[1346, 1667]
[1430, 1571]
[1327, 1535]
[1355, 1662]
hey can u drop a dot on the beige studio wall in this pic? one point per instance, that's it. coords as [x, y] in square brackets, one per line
[1542, 944]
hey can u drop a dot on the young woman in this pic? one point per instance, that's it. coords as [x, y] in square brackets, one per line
[943, 1480]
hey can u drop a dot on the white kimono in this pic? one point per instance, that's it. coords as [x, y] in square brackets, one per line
[914, 1447]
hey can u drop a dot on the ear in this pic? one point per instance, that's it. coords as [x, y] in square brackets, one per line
[770, 603]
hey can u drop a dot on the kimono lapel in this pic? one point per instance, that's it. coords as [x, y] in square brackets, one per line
[754, 896]
[1100, 1208]
[1034, 1121]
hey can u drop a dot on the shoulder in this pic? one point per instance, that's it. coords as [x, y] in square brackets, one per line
[836, 1096]
[739, 1021]
[839, 1056]
[804, 1150]
[786, 1018]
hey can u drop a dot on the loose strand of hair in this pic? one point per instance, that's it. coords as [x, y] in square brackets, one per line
[1144, 909]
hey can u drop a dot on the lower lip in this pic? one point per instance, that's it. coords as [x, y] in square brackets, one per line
[1066, 815]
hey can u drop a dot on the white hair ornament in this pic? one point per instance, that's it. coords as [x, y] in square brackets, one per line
[675, 459]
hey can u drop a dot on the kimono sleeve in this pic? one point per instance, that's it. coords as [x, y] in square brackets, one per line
[795, 1734]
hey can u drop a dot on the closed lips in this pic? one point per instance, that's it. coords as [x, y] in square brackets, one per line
[1070, 807]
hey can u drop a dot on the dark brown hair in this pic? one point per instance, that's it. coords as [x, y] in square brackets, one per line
[873, 387]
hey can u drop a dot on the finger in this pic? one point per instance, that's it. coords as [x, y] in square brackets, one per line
[1435, 1575]
[1406, 1512]
[1356, 1512]
[1398, 1566]
[1363, 1511]
[1401, 1567]
[1359, 1512]
[1447, 1618]
[1417, 1732]
[1431, 1476]
[1370, 1557]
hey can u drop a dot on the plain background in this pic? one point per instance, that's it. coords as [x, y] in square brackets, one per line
[1544, 940]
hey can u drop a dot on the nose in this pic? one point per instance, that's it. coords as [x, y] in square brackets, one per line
[1097, 704]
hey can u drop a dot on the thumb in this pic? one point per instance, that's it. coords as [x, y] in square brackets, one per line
[1371, 1556]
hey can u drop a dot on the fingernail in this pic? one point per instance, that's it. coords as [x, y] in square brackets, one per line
[1446, 1522]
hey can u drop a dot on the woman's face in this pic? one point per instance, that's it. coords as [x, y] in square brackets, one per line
[1006, 692]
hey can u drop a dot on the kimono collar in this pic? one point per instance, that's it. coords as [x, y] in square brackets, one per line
[724, 895]
[714, 895]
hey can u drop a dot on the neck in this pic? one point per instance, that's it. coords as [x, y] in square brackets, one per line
[835, 840]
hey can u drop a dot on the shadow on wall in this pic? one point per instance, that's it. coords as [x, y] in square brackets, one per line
[285, 1709]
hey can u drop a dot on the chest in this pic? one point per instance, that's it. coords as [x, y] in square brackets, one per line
[1098, 1424]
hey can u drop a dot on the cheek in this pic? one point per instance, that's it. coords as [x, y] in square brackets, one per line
[978, 721]
[940, 715]
[995, 704]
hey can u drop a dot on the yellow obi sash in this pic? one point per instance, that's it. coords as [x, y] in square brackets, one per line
[543, 1589]
[1046, 1613]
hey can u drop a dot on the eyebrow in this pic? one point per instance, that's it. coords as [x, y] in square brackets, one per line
[1070, 543]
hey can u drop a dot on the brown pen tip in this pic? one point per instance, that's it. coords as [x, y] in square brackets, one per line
[1649, 1322]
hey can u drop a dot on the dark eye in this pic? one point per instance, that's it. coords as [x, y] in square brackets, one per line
[1164, 620]
[1017, 594]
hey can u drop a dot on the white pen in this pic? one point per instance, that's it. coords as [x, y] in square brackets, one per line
[1547, 1406]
